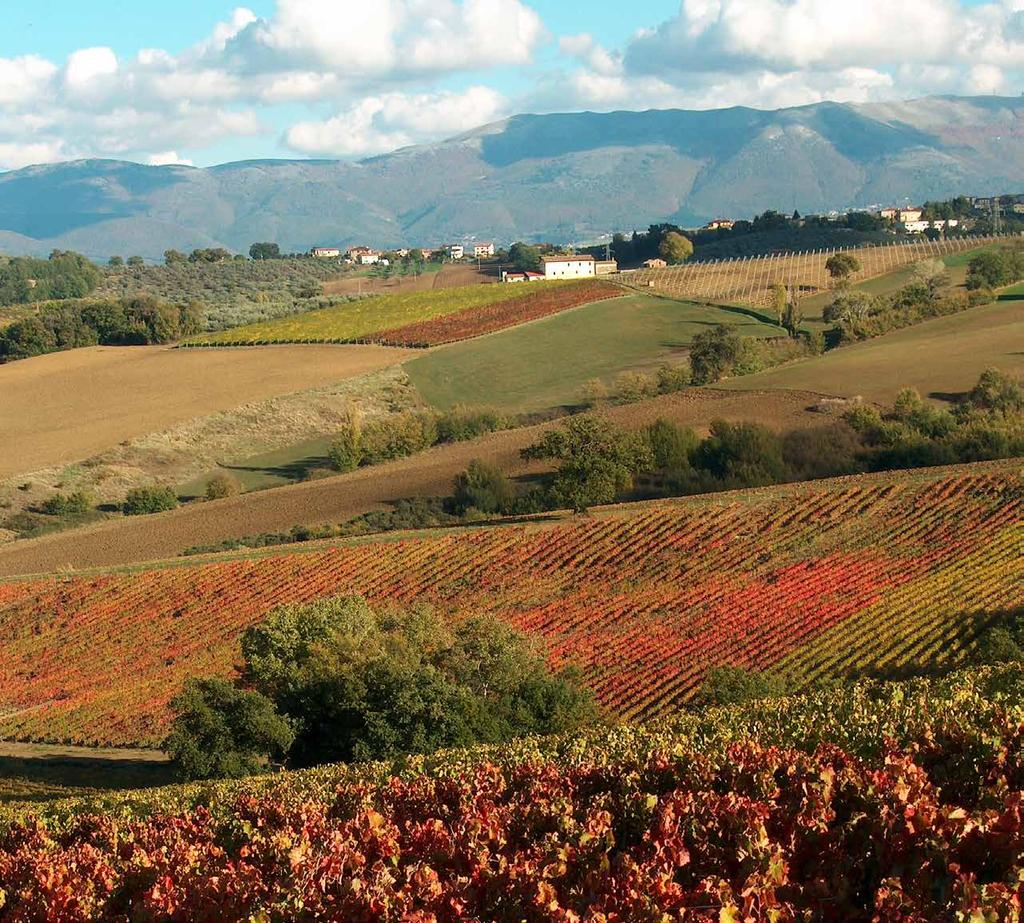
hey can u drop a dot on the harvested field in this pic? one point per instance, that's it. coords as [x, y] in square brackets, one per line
[450, 275]
[942, 358]
[899, 571]
[750, 281]
[67, 406]
[337, 499]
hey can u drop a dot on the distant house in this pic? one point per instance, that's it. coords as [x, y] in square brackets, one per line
[483, 251]
[605, 267]
[656, 263]
[723, 223]
[919, 227]
[364, 256]
[456, 251]
[325, 253]
[571, 266]
[889, 214]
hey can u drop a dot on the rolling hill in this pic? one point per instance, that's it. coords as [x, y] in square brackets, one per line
[563, 176]
[817, 581]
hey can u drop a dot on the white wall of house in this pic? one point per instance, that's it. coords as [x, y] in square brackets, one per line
[569, 268]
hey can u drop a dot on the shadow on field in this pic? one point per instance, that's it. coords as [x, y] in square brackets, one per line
[40, 777]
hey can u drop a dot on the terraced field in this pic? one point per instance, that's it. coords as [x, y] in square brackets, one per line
[817, 580]
[415, 318]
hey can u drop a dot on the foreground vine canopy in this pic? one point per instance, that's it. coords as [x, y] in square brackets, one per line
[815, 581]
[911, 812]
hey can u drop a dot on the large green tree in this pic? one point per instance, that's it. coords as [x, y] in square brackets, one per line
[597, 460]
[675, 248]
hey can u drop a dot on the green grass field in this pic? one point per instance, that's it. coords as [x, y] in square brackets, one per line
[361, 319]
[544, 364]
[940, 357]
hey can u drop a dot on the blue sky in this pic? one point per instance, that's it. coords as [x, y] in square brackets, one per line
[204, 81]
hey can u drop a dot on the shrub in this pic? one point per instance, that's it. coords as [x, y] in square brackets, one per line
[221, 486]
[671, 446]
[397, 436]
[631, 387]
[672, 378]
[462, 423]
[220, 731]
[594, 393]
[482, 487]
[75, 504]
[144, 500]
[734, 685]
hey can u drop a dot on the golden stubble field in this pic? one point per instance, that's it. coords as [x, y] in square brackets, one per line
[60, 408]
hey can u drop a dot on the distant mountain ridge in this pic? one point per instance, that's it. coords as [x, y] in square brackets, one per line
[563, 177]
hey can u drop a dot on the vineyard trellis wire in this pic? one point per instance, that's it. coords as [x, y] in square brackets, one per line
[749, 280]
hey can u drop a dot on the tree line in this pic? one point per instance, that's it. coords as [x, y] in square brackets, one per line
[25, 280]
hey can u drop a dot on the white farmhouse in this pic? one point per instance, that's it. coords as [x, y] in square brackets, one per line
[325, 253]
[573, 266]
[456, 251]
[483, 251]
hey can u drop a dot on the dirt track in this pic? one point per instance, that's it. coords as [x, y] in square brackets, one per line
[66, 406]
[128, 541]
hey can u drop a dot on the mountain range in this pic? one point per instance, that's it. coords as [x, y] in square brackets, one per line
[562, 177]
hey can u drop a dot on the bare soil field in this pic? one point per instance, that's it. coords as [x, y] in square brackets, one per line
[451, 275]
[67, 406]
[337, 499]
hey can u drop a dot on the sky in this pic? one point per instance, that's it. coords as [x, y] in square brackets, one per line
[201, 82]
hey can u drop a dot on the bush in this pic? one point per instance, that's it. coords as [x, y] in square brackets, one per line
[713, 353]
[346, 449]
[631, 387]
[742, 455]
[462, 423]
[671, 446]
[398, 436]
[222, 732]
[144, 500]
[735, 685]
[221, 486]
[75, 504]
[673, 378]
[482, 487]
[594, 393]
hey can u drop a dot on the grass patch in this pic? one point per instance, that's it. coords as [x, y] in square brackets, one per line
[286, 465]
[543, 365]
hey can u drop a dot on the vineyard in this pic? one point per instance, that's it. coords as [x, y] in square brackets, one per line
[420, 318]
[899, 802]
[749, 281]
[820, 580]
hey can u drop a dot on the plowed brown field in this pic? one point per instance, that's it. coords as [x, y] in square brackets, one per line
[66, 406]
[133, 540]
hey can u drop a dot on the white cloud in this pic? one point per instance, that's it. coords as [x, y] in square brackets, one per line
[24, 79]
[394, 120]
[168, 158]
[14, 155]
[89, 70]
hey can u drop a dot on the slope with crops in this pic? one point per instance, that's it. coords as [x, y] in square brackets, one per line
[875, 573]
[881, 802]
[426, 318]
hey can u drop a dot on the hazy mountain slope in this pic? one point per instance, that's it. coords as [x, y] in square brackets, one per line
[567, 177]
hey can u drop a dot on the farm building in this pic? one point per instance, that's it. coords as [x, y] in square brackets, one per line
[656, 263]
[515, 275]
[482, 251]
[571, 266]
[605, 267]
[725, 224]
[325, 252]
[456, 251]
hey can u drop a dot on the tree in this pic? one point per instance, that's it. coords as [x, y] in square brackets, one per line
[346, 449]
[671, 446]
[713, 353]
[220, 731]
[598, 461]
[794, 315]
[995, 392]
[840, 266]
[743, 454]
[265, 251]
[360, 683]
[849, 308]
[173, 257]
[482, 487]
[135, 261]
[524, 257]
[675, 248]
[780, 298]
[116, 261]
